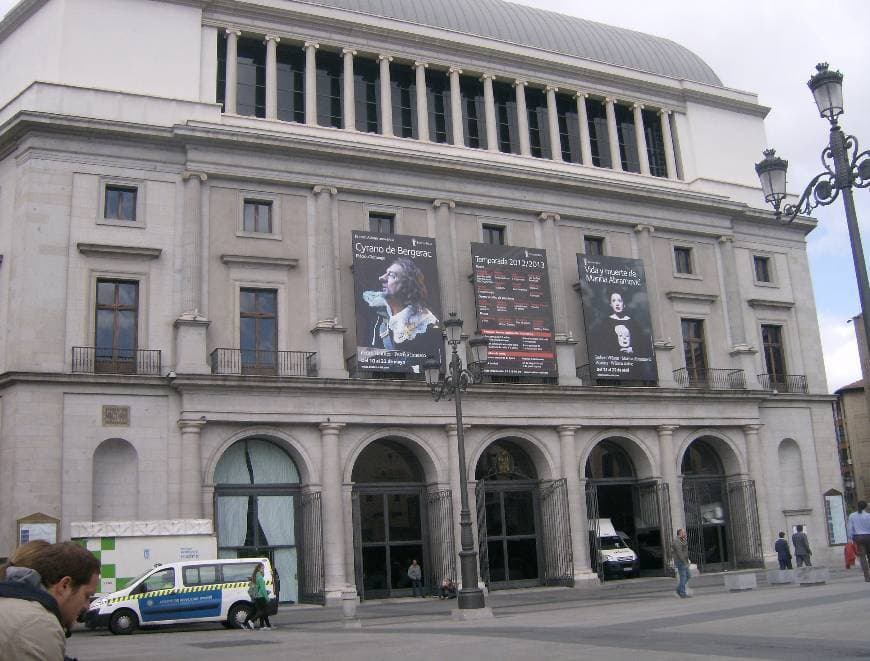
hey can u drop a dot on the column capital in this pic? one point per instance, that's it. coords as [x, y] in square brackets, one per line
[233, 31]
[609, 100]
[440, 203]
[418, 63]
[332, 190]
[551, 88]
[490, 76]
[667, 429]
[348, 51]
[549, 215]
[455, 69]
[388, 58]
[665, 111]
[568, 429]
[272, 37]
[581, 95]
[331, 426]
[452, 427]
[192, 425]
[726, 238]
[188, 174]
[520, 83]
[640, 229]
[637, 106]
[311, 44]
[752, 429]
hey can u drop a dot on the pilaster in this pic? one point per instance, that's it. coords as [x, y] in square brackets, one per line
[191, 468]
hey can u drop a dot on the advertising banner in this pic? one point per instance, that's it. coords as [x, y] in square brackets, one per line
[398, 302]
[618, 325]
[512, 294]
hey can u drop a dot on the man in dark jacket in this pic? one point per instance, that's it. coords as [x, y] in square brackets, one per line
[783, 552]
[680, 551]
[802, 550]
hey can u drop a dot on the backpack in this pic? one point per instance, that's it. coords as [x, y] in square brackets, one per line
[252, 590]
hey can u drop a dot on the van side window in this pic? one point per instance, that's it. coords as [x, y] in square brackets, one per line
[161, 580]
[237, 573]
[200, 575]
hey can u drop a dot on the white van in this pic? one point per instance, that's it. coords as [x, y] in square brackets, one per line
[180, 592]
[614, 553]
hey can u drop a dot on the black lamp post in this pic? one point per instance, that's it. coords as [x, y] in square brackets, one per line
[450, 385]
[845, 167]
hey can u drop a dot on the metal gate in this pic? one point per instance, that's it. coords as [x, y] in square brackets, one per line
[357, 545]
[482, 540]
[592, 517]
[745, 530]
[442, 545]
[652, 516]
[312, 583]
[556, 533]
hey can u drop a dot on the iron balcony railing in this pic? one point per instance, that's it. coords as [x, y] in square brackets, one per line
[795, 383]
[112, 360]
[263, 363]
[710, 378]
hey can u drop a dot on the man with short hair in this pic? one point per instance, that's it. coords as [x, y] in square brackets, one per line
[680, 550]
[801, 544]
[859, 532]
[43, 590]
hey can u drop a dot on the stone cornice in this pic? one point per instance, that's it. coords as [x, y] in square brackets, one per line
[766, 303]
[691, 296]
[124, 252]
[260, 262]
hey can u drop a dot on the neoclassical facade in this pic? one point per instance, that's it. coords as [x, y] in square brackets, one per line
[179, 181]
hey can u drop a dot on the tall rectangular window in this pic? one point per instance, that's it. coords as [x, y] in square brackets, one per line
[257, 217]
[438, 106]
[329, 70]
[473, 115]
[694, 349]
[505, 99]
[251, 86]
[774, 353]
[221, 83]
[120, 203]
[403, 87]
[258, 330]
[683, 260]
[569, 128]
[761, 266]
[116, 326]
[539, 124]
[593, 245]
[493, 234]
[655, 143]
[382, 223]
[291, 83]
[627, 138]
[598, 133]
[367, 95]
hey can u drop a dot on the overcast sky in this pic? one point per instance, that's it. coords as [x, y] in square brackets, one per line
[771, 47]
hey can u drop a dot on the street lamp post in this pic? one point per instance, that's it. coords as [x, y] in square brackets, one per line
[845, 167]
[450, 385]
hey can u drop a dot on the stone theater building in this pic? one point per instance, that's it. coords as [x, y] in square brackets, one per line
[189, 194]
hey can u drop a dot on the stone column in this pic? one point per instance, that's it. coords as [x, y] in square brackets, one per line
[757, 471]
[576, 503]
[456, 107]
[333, 513]
[349, 114]
[311, 82]
[330, 354]
[553, 121]
[667, 463]
[612, 136]
[422, 101]
[667, 138]
[522, 118]
[583, 121]
[740, 349]
[386, 95]
[489, 110]
[662, 344]
[564, 341]
[272, 76]
[191, 468]
[640, 138]
[232, 77]
[455, 490]
[448, 271]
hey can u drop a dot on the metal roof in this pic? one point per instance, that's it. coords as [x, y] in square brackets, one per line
[537, 28]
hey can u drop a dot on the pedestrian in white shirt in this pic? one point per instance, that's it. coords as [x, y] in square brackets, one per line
[859, 532]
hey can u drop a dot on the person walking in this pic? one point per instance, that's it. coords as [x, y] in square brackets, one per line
[783, 552]
[680, 551]
[415, 573]
[260, 595]
[801, 544]
[859, 532]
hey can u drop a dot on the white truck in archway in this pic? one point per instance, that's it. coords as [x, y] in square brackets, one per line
[615, 556]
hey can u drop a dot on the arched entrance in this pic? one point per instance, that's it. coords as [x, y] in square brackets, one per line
[388, 515]
[257, 507]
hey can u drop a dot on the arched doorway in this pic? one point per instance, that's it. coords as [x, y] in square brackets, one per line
[257, 496]
[705, 499]
[388, 515]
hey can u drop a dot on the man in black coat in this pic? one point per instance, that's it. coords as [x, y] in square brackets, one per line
[783, 552]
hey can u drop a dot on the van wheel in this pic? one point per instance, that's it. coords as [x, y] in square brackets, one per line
[237, 615]
[123, 622]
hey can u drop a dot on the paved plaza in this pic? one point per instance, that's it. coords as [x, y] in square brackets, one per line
[621, 620]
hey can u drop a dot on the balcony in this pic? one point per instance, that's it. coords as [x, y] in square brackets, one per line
[710, 379]
[785, 383]
[254, 362]
[111, 360]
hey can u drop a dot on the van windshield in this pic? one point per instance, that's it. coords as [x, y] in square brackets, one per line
[610, 543]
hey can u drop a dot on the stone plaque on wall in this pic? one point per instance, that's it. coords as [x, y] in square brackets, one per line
[116, 416]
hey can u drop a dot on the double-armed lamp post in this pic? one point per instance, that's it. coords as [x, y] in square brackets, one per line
[845, 167]
[451, 385]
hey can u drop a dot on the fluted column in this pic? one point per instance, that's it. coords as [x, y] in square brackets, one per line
[445, 237]
[757, 471]
[583, 120]
[553, 121]
[386, 95]
[612, 135]
[456, 107]
[272, 76]
[489, 110]
[640, 138]
[667, 463]
[668, 139]
[191, 468]
[232, 78]
[311, 82]
[333, 512]
[191, 287]
[324, 287]
[576, 502]
[422, 100]
[349, 114]
[523, 118]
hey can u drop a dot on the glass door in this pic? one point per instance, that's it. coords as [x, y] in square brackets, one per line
[512, 539]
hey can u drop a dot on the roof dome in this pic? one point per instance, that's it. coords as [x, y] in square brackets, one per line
[537, 28]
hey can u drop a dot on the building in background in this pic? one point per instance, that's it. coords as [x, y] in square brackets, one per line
[231, 229]
[853, 440]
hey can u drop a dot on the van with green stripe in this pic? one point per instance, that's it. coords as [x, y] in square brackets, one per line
[180, 592]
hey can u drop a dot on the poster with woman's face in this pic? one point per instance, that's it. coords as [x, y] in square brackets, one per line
[616, 311]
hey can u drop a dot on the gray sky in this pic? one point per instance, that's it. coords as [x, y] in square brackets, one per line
[771, 47]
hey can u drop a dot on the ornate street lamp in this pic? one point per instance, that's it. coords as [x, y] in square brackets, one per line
[451, 385]
[845, 167]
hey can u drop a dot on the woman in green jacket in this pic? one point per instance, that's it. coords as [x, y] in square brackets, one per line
[260, 601]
